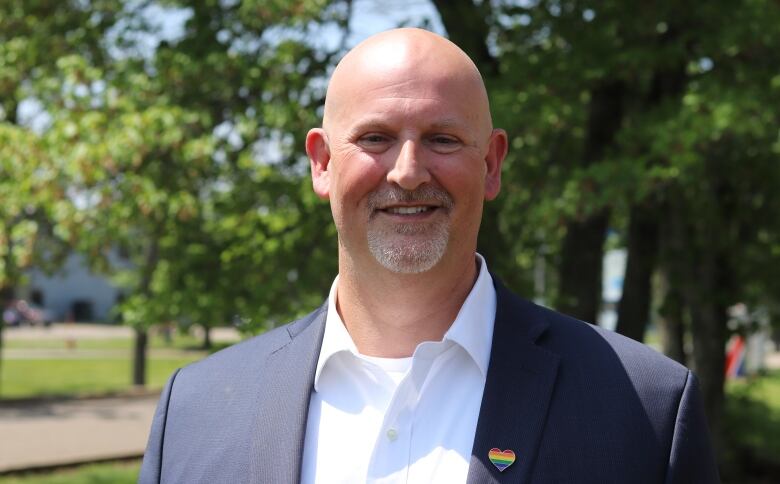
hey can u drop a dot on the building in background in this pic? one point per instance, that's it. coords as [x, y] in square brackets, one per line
[614, 270]
[74, 292]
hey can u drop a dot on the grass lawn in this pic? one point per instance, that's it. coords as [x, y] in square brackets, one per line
[110, 473]
[155, 342]
[76, 368]
[752, 425]
[74, 377]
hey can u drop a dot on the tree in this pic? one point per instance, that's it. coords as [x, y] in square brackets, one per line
[30, 194]
[32, 33]
[648, 119]
[194, 175]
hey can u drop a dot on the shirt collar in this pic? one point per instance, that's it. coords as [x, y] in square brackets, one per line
[472, 329]
[336, 338]
[473, 326]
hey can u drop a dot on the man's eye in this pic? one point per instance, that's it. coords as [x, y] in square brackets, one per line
[373, 139]
[444, 140]
[444, 144]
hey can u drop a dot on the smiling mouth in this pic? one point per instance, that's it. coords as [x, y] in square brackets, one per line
[408, 210]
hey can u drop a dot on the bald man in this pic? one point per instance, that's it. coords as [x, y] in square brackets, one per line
[420, 367]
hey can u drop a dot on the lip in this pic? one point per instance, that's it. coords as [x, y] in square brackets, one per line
[418, 203]
[409, 212]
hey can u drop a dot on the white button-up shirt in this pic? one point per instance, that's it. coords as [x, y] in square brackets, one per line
[400, 420]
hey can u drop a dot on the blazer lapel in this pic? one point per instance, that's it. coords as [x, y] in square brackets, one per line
[518, 388]
[283, 407]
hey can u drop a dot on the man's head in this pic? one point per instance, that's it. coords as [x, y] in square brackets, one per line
[407, 152]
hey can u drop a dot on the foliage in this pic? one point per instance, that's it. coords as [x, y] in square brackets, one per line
[753, 423]
[32, 33]
[182, 158]
[555, 54]
[30, 194]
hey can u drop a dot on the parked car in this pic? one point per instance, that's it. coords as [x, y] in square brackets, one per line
[18, 312]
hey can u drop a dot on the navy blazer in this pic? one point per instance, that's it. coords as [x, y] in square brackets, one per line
[576, 404]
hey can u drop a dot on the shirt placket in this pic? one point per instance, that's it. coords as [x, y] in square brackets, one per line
[390, 459]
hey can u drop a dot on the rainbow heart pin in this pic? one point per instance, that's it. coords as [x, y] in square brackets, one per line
[501, 458]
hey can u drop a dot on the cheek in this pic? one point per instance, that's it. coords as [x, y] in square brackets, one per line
[463, 178]
[355, 177]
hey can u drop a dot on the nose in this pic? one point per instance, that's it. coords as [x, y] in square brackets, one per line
[409, 171]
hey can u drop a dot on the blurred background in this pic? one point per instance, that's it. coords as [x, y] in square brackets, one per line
[155, 203]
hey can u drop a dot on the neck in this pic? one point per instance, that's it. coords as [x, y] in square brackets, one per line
[388, 314]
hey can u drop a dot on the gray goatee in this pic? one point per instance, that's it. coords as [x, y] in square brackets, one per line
[414, 247]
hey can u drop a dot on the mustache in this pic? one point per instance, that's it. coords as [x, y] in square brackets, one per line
[390, 195]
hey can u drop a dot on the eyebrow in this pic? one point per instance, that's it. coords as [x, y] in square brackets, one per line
[369, 124]
[381, 124]
[448, 123]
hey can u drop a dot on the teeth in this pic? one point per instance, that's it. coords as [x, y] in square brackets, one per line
[407, 210]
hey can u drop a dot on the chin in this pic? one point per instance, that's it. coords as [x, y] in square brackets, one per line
[403, 257]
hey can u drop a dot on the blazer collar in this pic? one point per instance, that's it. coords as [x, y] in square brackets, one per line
[518, 389]
[283, 406]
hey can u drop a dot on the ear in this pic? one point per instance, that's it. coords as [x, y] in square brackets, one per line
[497, 149]
[319, 157]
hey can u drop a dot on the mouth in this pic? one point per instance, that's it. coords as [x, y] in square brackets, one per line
[408, 213]
[404, 206]
[408, 210]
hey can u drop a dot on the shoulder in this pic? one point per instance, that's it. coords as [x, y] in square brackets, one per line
[620, 396]
[587, 351]
[243, 361]
[594, 345]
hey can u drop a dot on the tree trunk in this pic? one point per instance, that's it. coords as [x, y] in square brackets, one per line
[466, 25]
[582, 253]
[139, 357]
[674, 260]
[2, 327]
[206, 337]
[141, 330]
[671, 326]
[6, 295]
[634, 305]
[643, 232]
[580, 271]
[708, 327]
[701, 268]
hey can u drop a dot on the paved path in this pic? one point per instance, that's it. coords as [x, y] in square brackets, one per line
[66, 432]
[82, 331]
[60, 432]
[93, 354]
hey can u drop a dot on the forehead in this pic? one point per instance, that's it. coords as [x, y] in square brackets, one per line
[392, 96]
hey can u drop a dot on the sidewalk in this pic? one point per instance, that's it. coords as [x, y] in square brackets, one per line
[86, 331]
[48, 433]
[34, 434]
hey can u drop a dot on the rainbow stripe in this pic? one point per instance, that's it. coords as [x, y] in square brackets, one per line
[501, 458]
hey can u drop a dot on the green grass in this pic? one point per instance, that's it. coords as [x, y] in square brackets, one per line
[83, 371]
[110, 473]
[752, 425]
[74, 377]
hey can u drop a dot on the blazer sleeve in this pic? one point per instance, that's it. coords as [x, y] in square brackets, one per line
[691, 460]
[151, 469]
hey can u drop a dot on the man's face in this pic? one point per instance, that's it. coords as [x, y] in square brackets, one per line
[407, 169]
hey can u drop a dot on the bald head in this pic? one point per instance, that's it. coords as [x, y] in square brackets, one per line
[407, 155]
[407, 61]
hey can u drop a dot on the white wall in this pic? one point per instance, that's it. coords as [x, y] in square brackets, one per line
[74, 282]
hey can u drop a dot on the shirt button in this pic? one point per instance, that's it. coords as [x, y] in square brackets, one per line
[392, 434]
